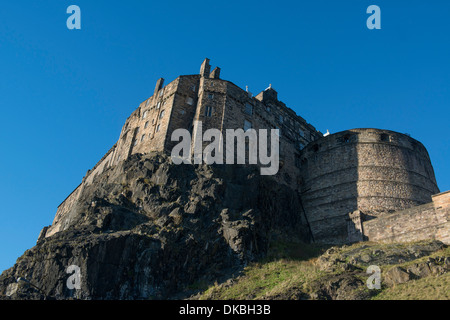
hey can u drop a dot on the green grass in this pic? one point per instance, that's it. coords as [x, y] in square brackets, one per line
[266, 280]
[429, 288]
[289, 272]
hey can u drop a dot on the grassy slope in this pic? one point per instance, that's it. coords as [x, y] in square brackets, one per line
[289, 272]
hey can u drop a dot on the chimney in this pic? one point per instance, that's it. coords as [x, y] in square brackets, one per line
[215, 74]
[205, 68]
[159, 85]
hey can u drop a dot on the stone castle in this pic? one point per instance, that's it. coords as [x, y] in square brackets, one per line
[355, 185]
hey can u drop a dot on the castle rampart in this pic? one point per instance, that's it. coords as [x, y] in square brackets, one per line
[427, 221]
[371, 170]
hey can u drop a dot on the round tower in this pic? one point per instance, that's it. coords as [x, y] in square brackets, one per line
[370, 170]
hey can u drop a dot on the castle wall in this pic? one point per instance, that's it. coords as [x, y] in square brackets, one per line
[428, 221]
[223, 105]
[62, 212]
[370, 170]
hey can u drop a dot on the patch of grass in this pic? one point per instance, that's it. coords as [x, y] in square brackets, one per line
[290, 271]
[428, 288]
[265, 280]
[294, 250]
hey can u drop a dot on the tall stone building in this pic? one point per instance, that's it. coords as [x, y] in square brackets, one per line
[366, 173]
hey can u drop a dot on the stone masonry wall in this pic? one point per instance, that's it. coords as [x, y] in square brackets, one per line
[371, 170]
[428, 221]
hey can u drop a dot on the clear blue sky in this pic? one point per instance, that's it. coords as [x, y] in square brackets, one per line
[65, 94]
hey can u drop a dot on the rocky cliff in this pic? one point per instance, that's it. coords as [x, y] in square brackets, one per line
[149, 229]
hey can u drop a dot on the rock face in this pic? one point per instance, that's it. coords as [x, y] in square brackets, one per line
[147, 228]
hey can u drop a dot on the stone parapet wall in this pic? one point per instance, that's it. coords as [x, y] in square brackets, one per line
[428, 221]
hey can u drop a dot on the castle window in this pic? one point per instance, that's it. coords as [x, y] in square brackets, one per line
[193, 88]
[384, 137]
[158, 105]
[161, 115]
[157, 128]
[208, 111]
[280, 118]
[247, 125]
[146, 125]
[145, 114]
[346, 139]
[189, 101]
[161, 93]
[143, 137]
[301, 132]
[210, 96]
[301, 146]
[268, 109]
[248, 109]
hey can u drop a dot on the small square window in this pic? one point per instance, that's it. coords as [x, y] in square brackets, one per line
[189, 101]
[248, 109]
[210, 96]
[208, 111]
[384, 137]
[301, 132]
